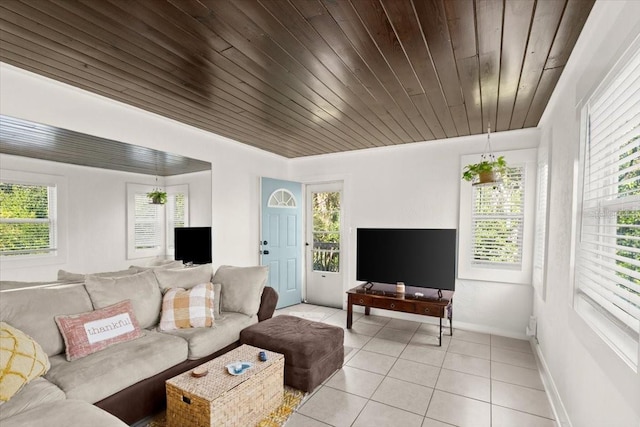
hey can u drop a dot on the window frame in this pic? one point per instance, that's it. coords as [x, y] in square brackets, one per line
[313, 231]
[603, 322]
[526, 158]
[172, 190]
[132, 251]
[57, 215]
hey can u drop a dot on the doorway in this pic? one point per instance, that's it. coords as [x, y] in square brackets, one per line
[324, 257]
[281, 240]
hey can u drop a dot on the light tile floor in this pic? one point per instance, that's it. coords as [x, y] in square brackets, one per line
[395, 374]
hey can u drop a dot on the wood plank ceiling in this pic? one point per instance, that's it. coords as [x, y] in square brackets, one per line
[27, 139]
[307, 77]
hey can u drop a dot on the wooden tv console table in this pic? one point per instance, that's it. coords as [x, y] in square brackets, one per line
[385, 297]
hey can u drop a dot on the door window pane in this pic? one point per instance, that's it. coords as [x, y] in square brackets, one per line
[326, 231]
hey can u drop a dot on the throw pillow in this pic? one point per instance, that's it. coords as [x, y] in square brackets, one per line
[241, 288]
[21, 360]
[141, 288]
[87, 333]
[183, 277]
[191, 308]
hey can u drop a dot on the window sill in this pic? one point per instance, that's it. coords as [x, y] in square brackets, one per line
[624, 345]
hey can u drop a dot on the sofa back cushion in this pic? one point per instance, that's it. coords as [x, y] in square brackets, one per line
[241, 288]
[185, 278]
[80, 277]
[33, 311]
[142, 289]
[162, 266]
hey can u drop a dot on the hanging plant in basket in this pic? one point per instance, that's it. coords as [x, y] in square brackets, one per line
[489, 170]
[157, 197]
[486, 171]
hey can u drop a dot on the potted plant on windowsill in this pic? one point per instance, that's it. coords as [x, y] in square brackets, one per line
[157, 197]
[486, 171]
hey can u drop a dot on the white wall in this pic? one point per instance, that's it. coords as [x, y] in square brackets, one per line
[236, 168]
[418, 185]
[595, 386]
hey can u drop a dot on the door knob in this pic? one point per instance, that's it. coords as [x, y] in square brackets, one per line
[265, 252]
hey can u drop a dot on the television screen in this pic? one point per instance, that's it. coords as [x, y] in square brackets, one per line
[424, 258]
[193, 244]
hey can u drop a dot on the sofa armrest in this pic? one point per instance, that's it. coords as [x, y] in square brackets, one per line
[268, 303]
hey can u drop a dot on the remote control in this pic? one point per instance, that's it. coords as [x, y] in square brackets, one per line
[263, 356]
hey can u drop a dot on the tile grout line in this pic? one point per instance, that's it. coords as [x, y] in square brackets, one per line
[490, 381]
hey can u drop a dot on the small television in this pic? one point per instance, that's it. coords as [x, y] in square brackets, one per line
[193, 244]
[423, 258]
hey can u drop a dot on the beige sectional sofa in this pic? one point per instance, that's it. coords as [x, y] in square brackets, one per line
[127, 378]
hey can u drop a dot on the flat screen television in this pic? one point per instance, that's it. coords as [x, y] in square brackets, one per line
[424, 258]
[193, 244]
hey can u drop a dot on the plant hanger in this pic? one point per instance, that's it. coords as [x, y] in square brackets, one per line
[158, 196]
[489, 170]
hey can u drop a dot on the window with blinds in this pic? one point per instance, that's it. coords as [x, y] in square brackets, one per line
[177, 211]
[27, 219]
[497, 218]
[540, 237]
[607, 275]
[150, 228]
[147, 223]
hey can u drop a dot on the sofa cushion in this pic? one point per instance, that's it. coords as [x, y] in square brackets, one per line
[67, 413]
[14, 284]
[182, 308]
[32, 311]
[241, 288]
[106, 372]
[86, 333]
[37, 392]
[21, 360]
[167, 264]
[217, 292]
[141, 288]
[80, 277]
[204, 341]
[185, 278]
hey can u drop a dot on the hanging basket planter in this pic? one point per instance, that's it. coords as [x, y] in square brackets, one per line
[157, 197]
[489, 170]
[488, 177]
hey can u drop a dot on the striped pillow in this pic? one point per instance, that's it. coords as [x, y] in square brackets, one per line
[191, 308]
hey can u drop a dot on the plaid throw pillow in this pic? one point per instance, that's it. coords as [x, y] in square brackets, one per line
[89, 332]
[191, 308]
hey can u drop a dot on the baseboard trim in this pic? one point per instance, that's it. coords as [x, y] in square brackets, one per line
[559, 411]
[445, 323]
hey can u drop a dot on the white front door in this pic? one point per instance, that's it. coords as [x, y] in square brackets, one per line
[324, 245]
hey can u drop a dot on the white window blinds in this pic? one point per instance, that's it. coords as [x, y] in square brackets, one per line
[147, 223]
[177, 212]
[27, 219]
[498, 222]
[608, 249]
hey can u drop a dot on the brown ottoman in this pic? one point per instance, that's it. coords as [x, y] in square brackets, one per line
[312, 350]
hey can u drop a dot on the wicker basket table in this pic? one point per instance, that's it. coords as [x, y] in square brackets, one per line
[222, 399]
